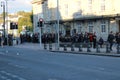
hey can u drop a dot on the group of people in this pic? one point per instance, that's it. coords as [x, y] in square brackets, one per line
[45, 37]
[112, 38]
[75, 38]
[29, 38]
[4, 40]
[94, 40]
[83, 38]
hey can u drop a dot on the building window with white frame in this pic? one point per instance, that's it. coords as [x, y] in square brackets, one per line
[102, 8]
[66, 9]
[90, 26]
[48, 30]
[103, 26]
[78, 5]
[102, 5]
[90, 5]
[90, 1]
[91, 29]
[79, 27]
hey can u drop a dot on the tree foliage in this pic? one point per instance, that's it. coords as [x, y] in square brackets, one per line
[26, 20]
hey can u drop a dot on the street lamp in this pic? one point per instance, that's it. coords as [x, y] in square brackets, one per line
[58, 24]
[57, 19]
[3, 5]
[7, 28]
[7, 18]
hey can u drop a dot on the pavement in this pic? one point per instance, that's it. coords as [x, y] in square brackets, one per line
[36, 46]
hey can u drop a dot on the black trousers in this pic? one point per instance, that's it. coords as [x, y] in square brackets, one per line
[111, 44]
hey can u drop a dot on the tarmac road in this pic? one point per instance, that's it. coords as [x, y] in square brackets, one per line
[20, 63]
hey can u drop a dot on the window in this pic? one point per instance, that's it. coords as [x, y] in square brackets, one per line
[103, 26]
[48, 30]
[78, 5]
[66, 9]
[91, 29]
[90, 26]
[90, 5]
[102, 5]
[90, 1]
[102, 8]
[79, 27]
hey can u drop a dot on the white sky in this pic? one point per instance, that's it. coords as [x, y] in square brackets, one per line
[18, 5]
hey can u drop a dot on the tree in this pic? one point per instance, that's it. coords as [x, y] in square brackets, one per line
[25, 20]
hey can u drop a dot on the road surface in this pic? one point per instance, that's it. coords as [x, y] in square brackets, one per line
[34, 64]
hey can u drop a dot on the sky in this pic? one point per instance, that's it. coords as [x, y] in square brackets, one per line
[18, 5]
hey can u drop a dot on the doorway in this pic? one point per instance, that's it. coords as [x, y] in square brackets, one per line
[68, 31]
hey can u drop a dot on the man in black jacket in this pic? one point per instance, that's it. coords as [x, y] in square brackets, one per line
[111, 39]
[118, 38]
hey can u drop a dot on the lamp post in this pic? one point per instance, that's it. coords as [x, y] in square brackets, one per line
[3, 5]
[58, 25]
[7, 28]
[57, 18]
[7, 18]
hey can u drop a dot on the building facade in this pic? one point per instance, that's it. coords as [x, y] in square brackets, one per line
[8, 20]
[76, 16]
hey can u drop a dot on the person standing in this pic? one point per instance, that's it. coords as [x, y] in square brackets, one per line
[101, 42]
[94, 40]
[91, 38]
[118, 38]
[110, 39]
[2, 40]
[86, 38]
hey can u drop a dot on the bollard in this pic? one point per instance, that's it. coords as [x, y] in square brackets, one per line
[17, 42]
[65, 47]
[50, 46]
[118, 49]
[97, 48]
[88, 47]
[107, 48]
[72, 47]
[45, 46]
[58, 48]
[80, 47]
